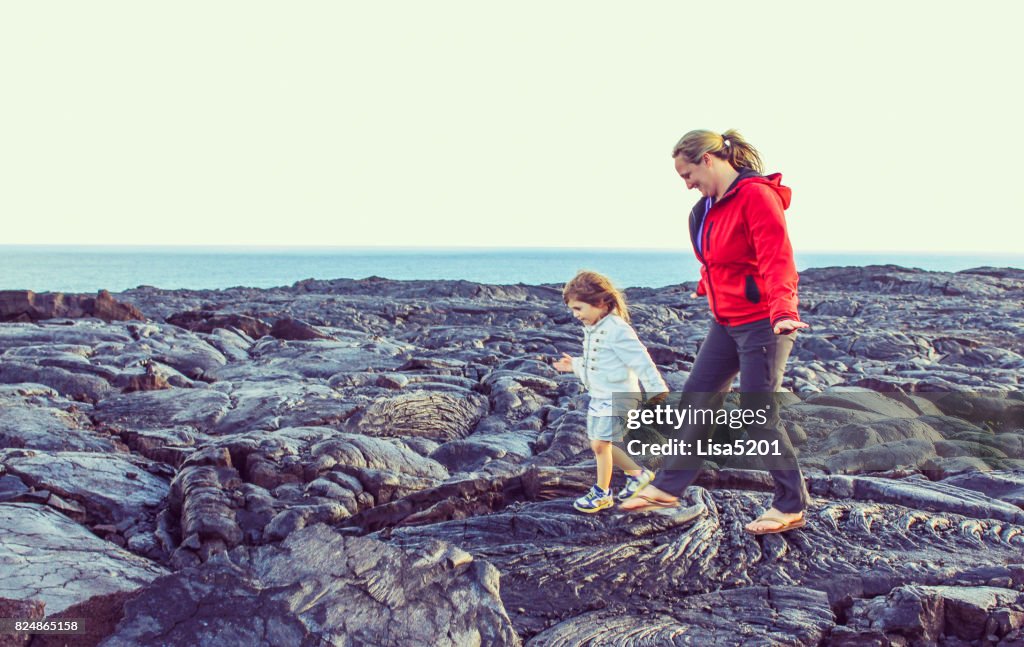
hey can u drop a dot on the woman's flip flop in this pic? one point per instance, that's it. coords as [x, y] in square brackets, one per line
[651, 504]
[783, 524]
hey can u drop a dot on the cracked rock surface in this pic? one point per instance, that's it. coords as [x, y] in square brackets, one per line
[318, 587]
[47, 557]
[396, 461]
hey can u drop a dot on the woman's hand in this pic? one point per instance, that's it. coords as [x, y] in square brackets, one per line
[563, 364]
[786, 326]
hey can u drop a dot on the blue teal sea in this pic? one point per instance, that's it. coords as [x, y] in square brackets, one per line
[88, 269]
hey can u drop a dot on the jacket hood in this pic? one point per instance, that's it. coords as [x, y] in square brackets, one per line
[749, 176]
[746, 176]
[774, 181]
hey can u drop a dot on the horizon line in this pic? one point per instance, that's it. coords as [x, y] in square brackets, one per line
[462, 248]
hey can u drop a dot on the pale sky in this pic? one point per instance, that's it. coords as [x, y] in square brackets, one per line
[516, 124]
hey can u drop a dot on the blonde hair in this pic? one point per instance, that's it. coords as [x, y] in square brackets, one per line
[596, 290]
[728, 146]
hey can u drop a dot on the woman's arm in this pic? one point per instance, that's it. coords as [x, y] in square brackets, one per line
[774, 252]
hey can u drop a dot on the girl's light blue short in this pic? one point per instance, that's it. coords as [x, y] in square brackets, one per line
[610, 428]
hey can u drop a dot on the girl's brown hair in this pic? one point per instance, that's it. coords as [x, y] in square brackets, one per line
[729, 146]
[596, 290]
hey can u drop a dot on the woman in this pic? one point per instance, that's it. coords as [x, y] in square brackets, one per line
[747, 273]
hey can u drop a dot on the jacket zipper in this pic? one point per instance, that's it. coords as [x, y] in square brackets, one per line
[704, 249]
[711, 291]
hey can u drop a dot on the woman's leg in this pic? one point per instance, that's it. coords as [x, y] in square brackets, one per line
[713, 370]
[763, 356]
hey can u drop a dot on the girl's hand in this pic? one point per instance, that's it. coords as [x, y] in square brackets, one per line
[656, 399]
[786, 326]
[564, 364]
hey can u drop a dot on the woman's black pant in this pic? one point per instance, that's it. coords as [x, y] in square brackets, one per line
[759, 356]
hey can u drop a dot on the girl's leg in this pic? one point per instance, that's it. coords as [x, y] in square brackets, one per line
[625, 462]
[603, 455]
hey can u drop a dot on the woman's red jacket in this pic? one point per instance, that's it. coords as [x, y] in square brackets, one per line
[747, 268]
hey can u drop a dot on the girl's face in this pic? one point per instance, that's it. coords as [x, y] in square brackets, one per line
[586, 313]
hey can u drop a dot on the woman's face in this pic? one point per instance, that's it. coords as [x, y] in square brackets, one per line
[697, 176]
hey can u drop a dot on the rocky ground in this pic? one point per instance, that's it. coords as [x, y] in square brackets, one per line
[382, 462]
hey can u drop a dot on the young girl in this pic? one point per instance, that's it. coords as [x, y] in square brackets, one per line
[613, 362]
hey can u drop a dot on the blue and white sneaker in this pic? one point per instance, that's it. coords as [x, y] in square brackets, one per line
[634, 484]
[594, 501]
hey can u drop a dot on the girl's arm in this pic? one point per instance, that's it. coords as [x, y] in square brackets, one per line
[578, 368]
[628, 348]
[568, 364]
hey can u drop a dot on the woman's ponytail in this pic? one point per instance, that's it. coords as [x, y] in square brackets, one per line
[729, 146]
[739, 153]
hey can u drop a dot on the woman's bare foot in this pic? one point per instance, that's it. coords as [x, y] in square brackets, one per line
[645, 496]
[774, 521]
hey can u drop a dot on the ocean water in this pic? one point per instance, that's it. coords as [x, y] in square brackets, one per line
[88, 269]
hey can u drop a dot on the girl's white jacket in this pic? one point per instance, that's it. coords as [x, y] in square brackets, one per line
[615, 361]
